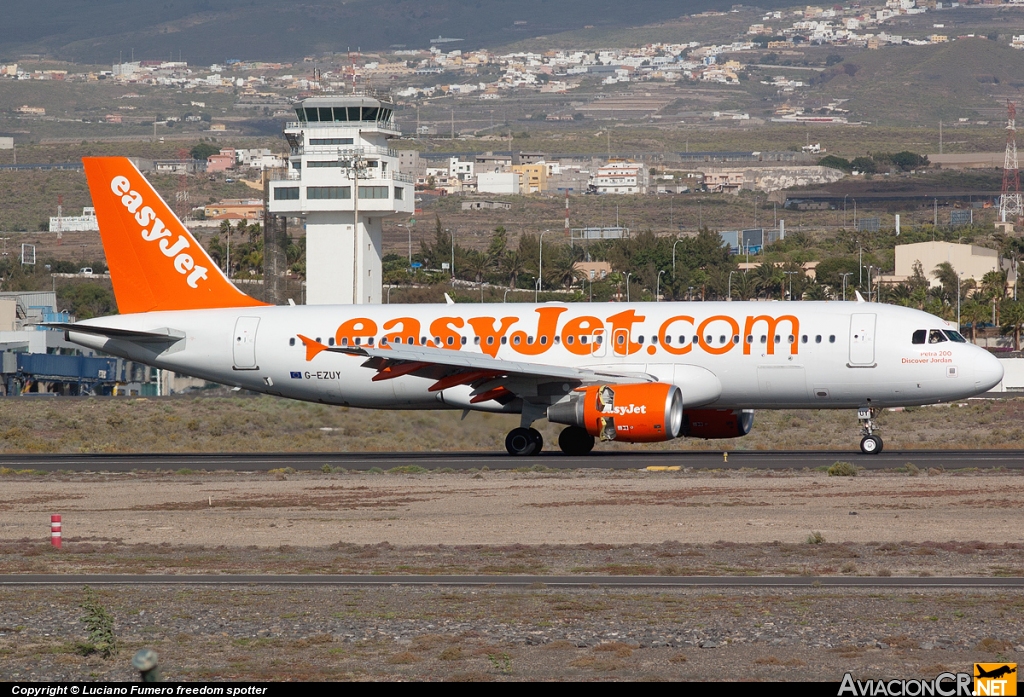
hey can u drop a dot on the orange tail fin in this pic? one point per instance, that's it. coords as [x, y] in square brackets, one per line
[155, 263]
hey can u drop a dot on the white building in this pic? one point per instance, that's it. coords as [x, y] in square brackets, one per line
[460, 169]
[621, 178]
[344, 179]
[498, 182]
[76, 223]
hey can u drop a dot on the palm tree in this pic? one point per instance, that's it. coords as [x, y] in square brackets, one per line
[1013, 321]
[973, 312]
[769, 279]
[513, 265]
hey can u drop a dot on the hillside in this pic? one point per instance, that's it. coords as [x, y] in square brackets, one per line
[969, 78]
[206, 31]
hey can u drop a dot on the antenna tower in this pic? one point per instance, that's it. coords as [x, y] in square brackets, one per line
[1011, 203]
[181, 195]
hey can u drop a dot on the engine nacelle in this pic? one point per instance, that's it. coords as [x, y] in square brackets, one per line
[717, 423]
[633, 413]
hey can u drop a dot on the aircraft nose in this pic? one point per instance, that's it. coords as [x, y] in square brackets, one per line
[988, 371]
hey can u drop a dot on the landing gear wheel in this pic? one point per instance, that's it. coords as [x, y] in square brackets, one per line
[574, 440]
[871, 445]
[538, 440]
[522, 441]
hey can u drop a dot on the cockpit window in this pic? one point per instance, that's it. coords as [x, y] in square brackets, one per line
[935, 336]
[955, 336]
[920, 335]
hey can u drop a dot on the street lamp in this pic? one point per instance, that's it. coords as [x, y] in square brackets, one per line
[844, 210]
[844, 275]
[657, 293]
[354, 166]
[729, 297]
[958, 301]
[540, 260]
[674, 256]
[627, 285]
[790, 274]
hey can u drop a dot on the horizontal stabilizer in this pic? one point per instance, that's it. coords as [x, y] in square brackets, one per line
[153, 337]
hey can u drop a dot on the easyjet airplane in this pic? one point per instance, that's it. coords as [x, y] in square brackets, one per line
[635, 372]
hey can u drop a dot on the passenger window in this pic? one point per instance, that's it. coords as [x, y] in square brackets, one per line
[750, 338]
[764, 339]
[451, 340]
[384, 341]
[437, 340]
[598, 339]
[476, 341]
[919, 336]
[721, 339]
[667, 339]
[490, 341]
[423, 340]
[708, 339]
[463, 340]
[832, 338]
[620, 339]
[583, 339]
[504, 340]
[936, 337]
[735, 338]
[777, 338]
[543, 341]
[803, 339]
[570, 339]
[654, 339]
[558, 339]
[640, 339]
[682, 339]
[529, 340]
[291, 341]
[817, 339]
[516, 340]
[369, 341]
[792, 338]
[320, 342]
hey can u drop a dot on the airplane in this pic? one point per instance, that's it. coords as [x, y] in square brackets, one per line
[622, 372]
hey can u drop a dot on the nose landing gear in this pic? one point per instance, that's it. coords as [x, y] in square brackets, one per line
[870, 444]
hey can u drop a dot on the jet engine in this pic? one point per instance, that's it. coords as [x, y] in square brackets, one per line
[717, 423]
[633, 413]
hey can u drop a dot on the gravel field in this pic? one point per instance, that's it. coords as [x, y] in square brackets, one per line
[254, 633]
[963, 523]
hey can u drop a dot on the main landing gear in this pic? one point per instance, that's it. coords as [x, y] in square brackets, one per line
[870, 444]
[524, 441]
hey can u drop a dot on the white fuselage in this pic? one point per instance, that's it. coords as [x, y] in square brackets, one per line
[721, 354]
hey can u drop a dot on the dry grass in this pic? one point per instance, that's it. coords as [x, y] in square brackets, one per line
[269, 424]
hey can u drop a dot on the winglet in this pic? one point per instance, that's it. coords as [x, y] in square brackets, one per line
[860, 298]
[448, 299]
[155, 262]
[313, 347]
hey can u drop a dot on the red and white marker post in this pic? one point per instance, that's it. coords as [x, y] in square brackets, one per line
[55, 531]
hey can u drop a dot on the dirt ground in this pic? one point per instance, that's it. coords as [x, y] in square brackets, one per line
[576, 522]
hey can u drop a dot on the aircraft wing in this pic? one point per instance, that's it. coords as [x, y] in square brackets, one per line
[493, 378]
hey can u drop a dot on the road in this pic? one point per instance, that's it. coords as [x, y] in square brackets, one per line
[620, 460]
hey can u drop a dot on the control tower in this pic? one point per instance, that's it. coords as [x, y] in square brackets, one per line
[344, 180]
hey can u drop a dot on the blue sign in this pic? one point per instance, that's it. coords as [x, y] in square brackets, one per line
[416, 265]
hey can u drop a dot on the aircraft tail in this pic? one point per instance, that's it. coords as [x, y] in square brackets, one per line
[155, 262]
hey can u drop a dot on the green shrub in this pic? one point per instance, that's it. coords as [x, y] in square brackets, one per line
[100, 625]
[815, 538]
[842, 469]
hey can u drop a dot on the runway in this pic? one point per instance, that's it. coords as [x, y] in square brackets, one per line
[516, 581]
[618, 460]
